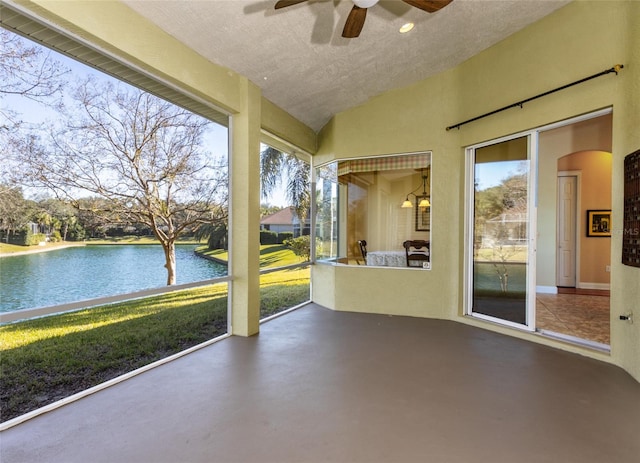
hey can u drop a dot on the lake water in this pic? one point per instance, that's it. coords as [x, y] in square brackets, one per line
[79, 273]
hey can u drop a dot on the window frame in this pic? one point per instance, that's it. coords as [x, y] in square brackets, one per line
[336, 260]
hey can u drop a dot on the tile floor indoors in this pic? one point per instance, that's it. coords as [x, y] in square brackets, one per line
[583, 316]
[322, 386]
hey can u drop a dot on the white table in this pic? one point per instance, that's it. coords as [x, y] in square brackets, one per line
[387, 258]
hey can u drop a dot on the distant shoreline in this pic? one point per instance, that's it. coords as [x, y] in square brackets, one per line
[211, 258]
[39, 249]
[67, 244]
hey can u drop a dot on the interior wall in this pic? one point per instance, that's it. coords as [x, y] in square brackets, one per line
[390, 224]
[595, 194]
[539, 58]
[593, 134]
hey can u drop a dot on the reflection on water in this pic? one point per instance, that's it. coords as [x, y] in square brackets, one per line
[79, 273]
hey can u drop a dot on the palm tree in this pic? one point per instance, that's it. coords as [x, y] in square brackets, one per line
[275, 167]
[215, 233]
[44, 220]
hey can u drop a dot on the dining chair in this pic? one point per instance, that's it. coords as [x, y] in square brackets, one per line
[363, 250]
[417, 252]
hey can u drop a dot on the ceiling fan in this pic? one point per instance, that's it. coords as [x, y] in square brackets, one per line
[355, 20]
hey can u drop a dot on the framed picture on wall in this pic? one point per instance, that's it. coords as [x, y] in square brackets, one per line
[423, 215]
[599, 223]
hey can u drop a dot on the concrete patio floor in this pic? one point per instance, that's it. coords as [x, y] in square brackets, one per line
[322, 386]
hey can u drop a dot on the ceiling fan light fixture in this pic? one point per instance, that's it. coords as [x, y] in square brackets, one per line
[406, 28]
[424, 197]
[364, 3]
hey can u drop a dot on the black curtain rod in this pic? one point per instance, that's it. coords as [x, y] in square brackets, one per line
[615, 69]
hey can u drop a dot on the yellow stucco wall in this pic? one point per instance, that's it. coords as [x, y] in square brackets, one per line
[578, 40]
[595, 252]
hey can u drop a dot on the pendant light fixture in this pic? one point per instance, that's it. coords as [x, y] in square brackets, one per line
[424, 202]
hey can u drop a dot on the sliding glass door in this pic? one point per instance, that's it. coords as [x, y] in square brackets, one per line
[500, 277]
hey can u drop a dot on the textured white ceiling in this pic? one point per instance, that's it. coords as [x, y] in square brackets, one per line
[298, 58]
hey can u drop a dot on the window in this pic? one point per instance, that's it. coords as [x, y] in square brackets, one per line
[371, 207]
[285, 244]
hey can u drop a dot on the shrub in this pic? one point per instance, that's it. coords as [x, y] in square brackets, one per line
[284, 236]
[36, 239]
[301, 246]
[76, 233]
[268, 237]
[25, 237]
[18, 237]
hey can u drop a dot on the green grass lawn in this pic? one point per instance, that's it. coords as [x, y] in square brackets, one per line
[47, 359]
[271, 255]
[14, 248]
[11, 248]
[283, 289]
[44, 360]
[278, 290]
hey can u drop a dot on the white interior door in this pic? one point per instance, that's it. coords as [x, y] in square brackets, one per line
[567, 237]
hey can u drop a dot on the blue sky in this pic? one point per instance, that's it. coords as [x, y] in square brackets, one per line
[489, 174]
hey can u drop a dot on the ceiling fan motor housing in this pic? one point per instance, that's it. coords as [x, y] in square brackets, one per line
[364, 3]
[355, 20]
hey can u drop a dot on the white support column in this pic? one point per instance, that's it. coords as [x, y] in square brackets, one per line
[245, 213]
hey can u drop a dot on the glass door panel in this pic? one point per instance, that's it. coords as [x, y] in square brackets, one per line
[500, 223]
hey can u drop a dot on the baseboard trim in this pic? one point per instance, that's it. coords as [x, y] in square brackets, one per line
[600, 286]
[577, 341]
[547, 289]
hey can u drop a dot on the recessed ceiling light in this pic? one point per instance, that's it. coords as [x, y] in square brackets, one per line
[406, 28]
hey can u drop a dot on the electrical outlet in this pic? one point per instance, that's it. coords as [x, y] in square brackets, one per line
[628, 317]
[607, 268]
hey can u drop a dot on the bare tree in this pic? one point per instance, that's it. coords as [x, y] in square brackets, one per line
[143, 155]
[27, 71]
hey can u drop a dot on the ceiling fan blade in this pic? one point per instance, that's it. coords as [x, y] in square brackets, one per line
[286, 3]
[355, 21]
[430, 6]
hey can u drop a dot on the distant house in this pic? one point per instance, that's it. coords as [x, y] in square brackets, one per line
[279, 222]
[285, 220]
[306, 230]
[33, 227]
